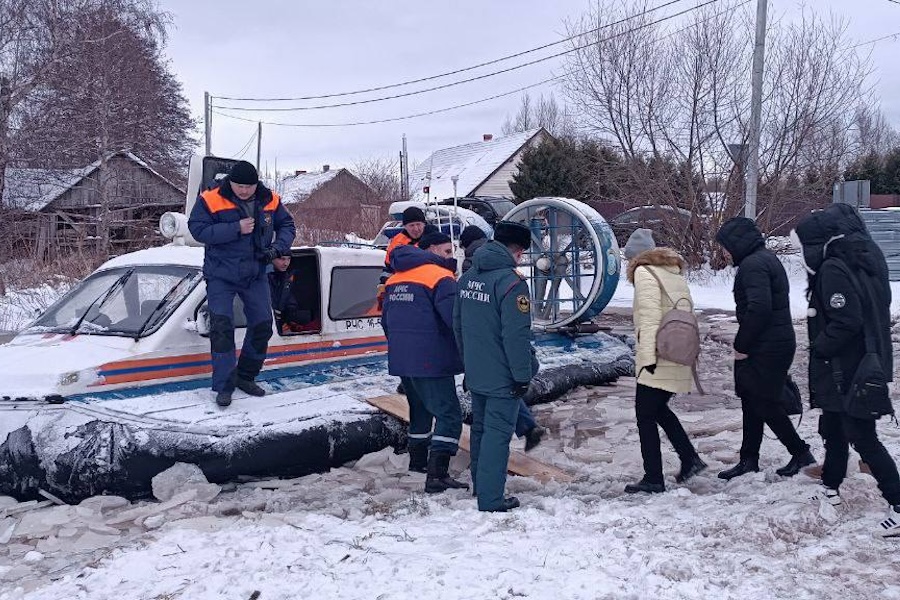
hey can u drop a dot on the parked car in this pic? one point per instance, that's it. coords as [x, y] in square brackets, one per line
[489, 208]
[671, 226]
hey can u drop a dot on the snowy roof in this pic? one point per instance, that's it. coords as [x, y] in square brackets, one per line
[34, 189]
[298, 188]
[473, 163]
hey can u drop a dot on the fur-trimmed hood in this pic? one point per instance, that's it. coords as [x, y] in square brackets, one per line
[658, 257]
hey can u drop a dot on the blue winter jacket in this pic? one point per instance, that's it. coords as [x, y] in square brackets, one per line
[418, 315]
[231, 256]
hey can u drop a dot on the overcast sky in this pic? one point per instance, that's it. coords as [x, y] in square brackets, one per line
[284, 48]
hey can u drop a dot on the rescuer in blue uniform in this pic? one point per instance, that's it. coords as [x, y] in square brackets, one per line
[492, 323]
[244, 226]
[418, 322]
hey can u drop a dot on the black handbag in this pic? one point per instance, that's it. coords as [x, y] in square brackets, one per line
[790, 398]
[867, 396]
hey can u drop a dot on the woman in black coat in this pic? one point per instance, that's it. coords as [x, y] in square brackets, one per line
[763, 347]
[849, 298]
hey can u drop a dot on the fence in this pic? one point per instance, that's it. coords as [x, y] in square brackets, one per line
[884, 226]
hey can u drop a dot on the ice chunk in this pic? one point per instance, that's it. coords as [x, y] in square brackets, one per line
[90, 541]
[375, 462]
[7, 502]
[41, 523]
[7, 526]
[34, 557]
[140, 513]
[180, 478]
[154, 522]
[103, 503]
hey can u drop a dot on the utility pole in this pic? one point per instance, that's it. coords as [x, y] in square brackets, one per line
[404, 171]
[207, 123]
[258, 144]
[756, 82]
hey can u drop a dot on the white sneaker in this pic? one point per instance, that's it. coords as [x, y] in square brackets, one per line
[827, 495]
[890, 527]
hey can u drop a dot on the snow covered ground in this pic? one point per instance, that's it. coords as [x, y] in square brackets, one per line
[368, 531]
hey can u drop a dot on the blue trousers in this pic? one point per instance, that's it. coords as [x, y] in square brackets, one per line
[524, 420]
[493, 423]
[258, 312]
[433, 400]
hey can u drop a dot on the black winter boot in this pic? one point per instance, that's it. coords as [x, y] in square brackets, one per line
[690, 468]
[439, 479]
[744, 466]
[533, 437]
[645, 486]
[509, 503]
[796, 463]
[250, 387]
[418, 458]
[223, 399]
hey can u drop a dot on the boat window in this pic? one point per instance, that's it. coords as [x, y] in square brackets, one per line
[126, 301]
[354, 293]
[201, 316]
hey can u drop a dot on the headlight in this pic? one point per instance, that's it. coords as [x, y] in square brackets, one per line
[168, 225]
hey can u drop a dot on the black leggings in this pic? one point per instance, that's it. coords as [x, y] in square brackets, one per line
[839, 431]
[651, 407]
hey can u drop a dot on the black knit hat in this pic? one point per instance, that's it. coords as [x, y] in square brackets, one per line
[470, 234]
[511, 233]
[433, 239]
[243, 173]
[413, 214]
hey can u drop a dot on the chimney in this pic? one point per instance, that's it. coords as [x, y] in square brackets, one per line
[488, 137]
[299, 172]
[325, 168]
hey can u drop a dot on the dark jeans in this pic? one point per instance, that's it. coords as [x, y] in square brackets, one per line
[651, 406]
[433, 400]
[258, 313]
[759, 413]
[524, 420]
[839, 431]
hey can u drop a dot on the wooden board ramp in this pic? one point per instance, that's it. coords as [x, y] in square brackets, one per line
[519, 463]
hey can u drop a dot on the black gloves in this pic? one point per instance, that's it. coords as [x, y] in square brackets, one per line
[519, 389]
[651, 369]
[271, 254]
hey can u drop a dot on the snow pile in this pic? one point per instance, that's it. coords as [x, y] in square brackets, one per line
[711, 289]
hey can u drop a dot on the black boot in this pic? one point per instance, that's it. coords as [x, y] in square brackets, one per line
[533, 437]
[744, 466]
[439, 479]
[418, 458]
[507, 505]
[223, 399]
[796, 463]
[690, 468]
[250, 387]
[645, 486]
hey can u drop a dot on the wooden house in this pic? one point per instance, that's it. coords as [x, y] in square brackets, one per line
[62, 209]
[330, 203]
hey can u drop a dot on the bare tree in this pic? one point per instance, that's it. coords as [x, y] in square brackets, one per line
[382, 175]
[545, 112]
[682, 96]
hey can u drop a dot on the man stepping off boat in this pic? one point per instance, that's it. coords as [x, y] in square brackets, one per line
[244, 227]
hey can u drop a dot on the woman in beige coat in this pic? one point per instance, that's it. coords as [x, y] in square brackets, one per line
[657, 379]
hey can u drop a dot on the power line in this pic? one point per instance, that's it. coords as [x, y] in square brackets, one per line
[243, 151]
[876, 40]
[457, 106]
[448, 73]
[463, 81]
[422, 114]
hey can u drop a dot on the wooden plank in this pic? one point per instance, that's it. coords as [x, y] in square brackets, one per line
[519, 463]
